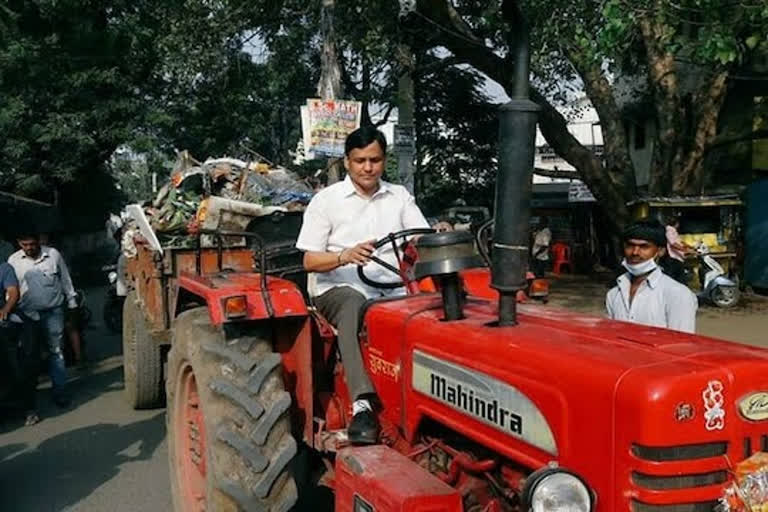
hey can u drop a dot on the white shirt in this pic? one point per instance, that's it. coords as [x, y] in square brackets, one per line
[659, 301]
[542, 239]
[44, 283]
[339, 217]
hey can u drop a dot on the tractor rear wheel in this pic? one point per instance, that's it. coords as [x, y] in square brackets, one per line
[142, 359]
[229, 434]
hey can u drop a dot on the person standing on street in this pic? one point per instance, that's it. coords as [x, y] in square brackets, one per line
[644, 294]
[19, 345]
[673, 262]
[340, 225]
[46, 288]
[541, 241]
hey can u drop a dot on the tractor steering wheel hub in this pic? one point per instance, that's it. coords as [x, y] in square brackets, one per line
[446, 253]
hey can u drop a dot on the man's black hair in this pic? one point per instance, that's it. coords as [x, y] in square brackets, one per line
[544, 221]
[364, 136]
[647, 229]
[27, 235]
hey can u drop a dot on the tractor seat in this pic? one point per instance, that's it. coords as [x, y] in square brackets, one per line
[323, 325]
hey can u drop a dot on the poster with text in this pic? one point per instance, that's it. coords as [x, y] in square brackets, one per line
[330, 121]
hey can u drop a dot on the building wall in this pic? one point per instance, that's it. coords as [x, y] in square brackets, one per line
[586, 129]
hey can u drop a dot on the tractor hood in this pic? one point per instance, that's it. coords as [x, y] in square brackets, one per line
[560, 385]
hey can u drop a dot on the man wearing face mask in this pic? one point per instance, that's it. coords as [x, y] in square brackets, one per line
[645, 295]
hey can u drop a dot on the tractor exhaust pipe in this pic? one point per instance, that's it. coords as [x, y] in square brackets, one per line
[517, 139]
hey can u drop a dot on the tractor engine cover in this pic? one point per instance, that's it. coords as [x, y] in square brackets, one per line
[379, 479]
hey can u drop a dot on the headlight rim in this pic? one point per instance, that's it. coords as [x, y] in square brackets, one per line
[533, 481]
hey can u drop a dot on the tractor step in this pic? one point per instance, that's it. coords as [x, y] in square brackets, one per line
[378, 478]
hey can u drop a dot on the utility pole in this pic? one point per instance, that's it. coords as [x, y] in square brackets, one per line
[405, 146]
[405, 135]
[329, 87]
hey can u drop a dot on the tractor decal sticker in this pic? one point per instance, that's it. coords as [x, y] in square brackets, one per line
[484, 398]
[684, 412]
[714, 414]
[379, 366]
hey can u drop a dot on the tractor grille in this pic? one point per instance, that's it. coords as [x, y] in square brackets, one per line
[677, 482]
[708, 506]
[661, 483]
[749, 447]
[681, 452]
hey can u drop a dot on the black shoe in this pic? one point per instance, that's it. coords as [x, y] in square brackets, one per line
[364, 428]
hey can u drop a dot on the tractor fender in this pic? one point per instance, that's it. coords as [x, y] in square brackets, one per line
[280, 299]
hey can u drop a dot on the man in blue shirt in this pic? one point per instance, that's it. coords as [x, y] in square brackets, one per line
[19, 344]
[10, 291]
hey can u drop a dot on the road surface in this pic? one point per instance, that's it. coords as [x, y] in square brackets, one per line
[98, 455]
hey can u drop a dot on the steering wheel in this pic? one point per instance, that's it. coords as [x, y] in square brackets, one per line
[391, 238]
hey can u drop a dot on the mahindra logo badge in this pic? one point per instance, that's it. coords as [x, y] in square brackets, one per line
[755, 406]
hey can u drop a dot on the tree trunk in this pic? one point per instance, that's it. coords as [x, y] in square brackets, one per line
[618, 164]
[686, 125]
[670, 114]
[329, 87]
[405, 109]
[707, 105]
[330, 75]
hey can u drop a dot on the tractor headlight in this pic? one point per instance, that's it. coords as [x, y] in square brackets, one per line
[556, 490]
[112, 276]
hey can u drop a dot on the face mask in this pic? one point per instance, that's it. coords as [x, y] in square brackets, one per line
[639, 269]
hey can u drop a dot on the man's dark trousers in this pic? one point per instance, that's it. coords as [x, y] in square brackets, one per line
[21, 356]
[342, 306]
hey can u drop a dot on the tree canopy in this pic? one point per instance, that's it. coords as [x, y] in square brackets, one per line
[681, 54]
[80, 79]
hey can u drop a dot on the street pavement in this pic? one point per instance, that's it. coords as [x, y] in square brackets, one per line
[98, 455]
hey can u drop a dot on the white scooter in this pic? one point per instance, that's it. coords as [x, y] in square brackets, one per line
[716, 287]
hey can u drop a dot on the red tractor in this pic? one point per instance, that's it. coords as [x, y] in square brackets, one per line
[483, 407]
[560, 408]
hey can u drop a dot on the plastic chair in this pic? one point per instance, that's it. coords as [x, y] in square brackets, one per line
[561, 253]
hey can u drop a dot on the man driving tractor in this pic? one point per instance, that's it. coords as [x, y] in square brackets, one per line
[340, 225]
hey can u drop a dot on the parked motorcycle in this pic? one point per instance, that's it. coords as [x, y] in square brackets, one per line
[716, 286]
[113, 303]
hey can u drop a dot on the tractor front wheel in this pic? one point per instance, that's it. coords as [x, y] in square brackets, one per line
[229, 432]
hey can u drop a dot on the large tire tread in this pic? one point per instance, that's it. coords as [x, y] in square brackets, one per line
[142, 359]
[245, 406]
